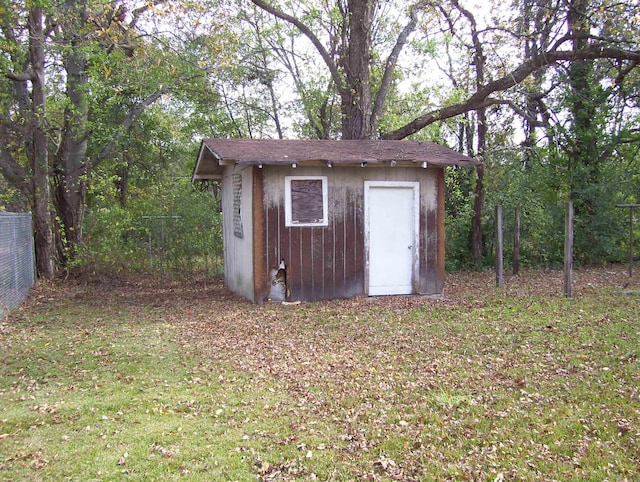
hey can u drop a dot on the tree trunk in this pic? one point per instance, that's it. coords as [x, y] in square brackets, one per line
[536, 30]
[71, 161]
[478, 200]
[37, 150]
[122, 183]
[582, 153]
[349, 62]
[479, 60]
[476, 220]
[356, 97]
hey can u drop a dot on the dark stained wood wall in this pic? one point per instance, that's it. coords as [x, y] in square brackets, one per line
[329, 262]
[431, 277]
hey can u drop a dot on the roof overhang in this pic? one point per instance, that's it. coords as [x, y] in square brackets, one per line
[214, 154]
[207, 164]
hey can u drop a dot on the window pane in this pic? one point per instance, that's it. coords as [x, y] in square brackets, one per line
[306, 201]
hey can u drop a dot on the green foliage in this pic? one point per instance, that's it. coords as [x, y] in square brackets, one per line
[458, 212]
[540, 190]
[539, 193]
[10, 199]
[144, 215]
[171, 228]
[113, 241]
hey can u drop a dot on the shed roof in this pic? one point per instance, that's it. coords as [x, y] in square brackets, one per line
[215, 153]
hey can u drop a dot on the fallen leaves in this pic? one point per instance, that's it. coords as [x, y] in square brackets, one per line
[486, 383]
[123, 459]
[35, 459]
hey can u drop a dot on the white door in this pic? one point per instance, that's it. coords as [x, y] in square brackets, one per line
[391, 223]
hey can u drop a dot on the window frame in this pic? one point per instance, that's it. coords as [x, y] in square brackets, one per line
[288, 210]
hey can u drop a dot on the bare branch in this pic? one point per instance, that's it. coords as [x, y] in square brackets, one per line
[481, 98]
[24, 77]
[333, 68]
[392, 62]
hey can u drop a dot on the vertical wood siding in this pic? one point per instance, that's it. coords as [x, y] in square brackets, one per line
[261, 277]
[329, 262]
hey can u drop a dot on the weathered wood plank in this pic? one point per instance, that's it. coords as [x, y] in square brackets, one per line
[307, 274]
[350, 239]
[499, 247]
[260, 268]
[356, 287]
[441, 233]
[328, 261]
[568, 251]
[339, 242]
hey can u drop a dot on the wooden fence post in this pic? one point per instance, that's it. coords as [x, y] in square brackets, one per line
[499, 240]
[631, 241]
[568, 251]
[516, 243]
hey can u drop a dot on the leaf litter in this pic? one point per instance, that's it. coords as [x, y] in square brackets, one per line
[485, 383]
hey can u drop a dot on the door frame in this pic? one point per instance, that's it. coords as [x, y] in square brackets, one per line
[415, 265]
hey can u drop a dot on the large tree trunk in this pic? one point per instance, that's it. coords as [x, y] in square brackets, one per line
[583, 150]
[536, 30]
[582, 153]
[71, 160]
[350, 63]
[477, 240]
[356, 97]
[479, 60]
[37, 150]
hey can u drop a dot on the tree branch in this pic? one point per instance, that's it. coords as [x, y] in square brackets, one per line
[333, 68]
[481, 97]
[24, 77]
[391, 63]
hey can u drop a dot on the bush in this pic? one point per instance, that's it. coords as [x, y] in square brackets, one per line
[179, 232]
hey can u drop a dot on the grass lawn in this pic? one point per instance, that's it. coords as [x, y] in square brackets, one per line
[133, 380]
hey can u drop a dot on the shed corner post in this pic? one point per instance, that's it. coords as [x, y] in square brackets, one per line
[441, 232]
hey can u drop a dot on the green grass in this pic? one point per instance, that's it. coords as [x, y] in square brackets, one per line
[199, 386]
[96, 394]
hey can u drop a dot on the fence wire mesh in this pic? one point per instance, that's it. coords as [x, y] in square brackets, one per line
[17, 274]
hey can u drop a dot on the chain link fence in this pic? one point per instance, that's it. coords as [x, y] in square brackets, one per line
[17, 273]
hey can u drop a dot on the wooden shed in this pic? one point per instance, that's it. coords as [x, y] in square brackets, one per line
[320, 219]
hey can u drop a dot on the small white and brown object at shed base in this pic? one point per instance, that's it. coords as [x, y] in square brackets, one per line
[278, 283]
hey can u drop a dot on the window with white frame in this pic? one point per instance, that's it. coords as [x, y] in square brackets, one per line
[306, 201]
